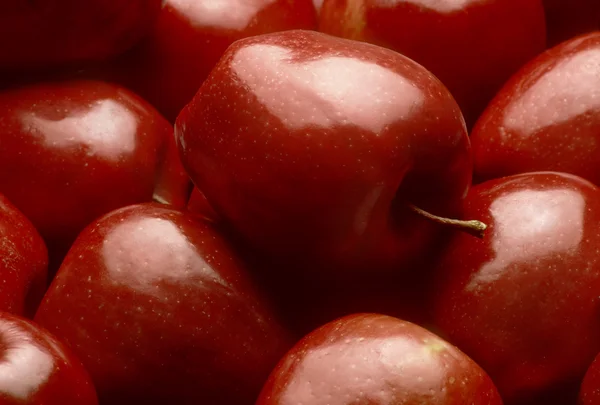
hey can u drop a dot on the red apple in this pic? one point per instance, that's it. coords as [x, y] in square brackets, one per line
[160, 311]
[75, 150]
[473, 46]
[23, 262]
[36, 368]
[566, 19]
[38, 34]
[547, 117]
[312, 148]
[590, 388]
[523, 301]
[169, 66]
[375, 359]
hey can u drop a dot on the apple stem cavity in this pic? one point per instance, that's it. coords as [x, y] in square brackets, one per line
[472, 227]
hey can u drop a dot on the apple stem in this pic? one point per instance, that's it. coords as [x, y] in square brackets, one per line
[472, 227]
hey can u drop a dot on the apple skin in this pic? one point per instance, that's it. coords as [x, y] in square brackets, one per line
[376, 359]
[515, 300]
[168, 67]
[589, 393]
[308, 146]
[23, 262]
[547, 117]
[36, 368]
[46, 33]
[75, 150]
[448, 38]
[566, 19]
[160, 311]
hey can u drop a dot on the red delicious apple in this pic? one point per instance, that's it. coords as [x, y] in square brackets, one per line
[75, 150]
[313, 147]
[523, 301]
[375, 359]
[566, 19]
[590, 388]
[547, 117]
[160, 311]
[23, 262]
[38, 34]
[36, 368]
[473, 46]
[169, 66]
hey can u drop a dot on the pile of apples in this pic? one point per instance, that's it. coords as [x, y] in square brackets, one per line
[298, 202]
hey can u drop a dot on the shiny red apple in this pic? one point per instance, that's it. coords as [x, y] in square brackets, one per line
[23, 262]
[45, 33]
[589, 393]
[523, 301]
[312, 148]
[169, 66]
[36, 368]
[566, 19]
[375, 359]
[74, 150]
[547, 117]
[161, 311]
[473, 46]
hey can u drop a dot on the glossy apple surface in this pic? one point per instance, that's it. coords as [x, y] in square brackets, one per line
[169, 66]
[590, 387]
[160, 311]
[523, 301]
[44, 33]
[75, 150]
[310, 147]
[566, 19]
[473, 46]
[36, 368]
[547, 117]
[23, 262]
[376, 359]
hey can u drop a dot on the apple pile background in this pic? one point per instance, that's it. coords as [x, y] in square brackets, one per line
[239, 202]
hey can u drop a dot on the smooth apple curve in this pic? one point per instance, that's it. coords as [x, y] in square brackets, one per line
[310, 145]
[376, 359]
[35, 368]
[161, 311]
[515, 300]
[547, 117]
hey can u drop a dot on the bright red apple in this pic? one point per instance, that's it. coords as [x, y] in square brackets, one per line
[547, 117]
[589, 393]
[169, 66]
[473, 46]
[566, 19]
[313, 147]
[75, 150]
[375, 359]
[43, 33]
[36, 368]
[161, 311]
[523, 301]
[23, 262]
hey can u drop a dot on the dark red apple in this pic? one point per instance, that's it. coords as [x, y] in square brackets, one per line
[313, 147]
[43, 33]
[23, 262]
[523, 302]
[36, 368]
[169, 66]
[75, 150]
[473, 46]
[547, 117]
[566, 19]
[375, 359]
[589, 393]
[160, 311]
